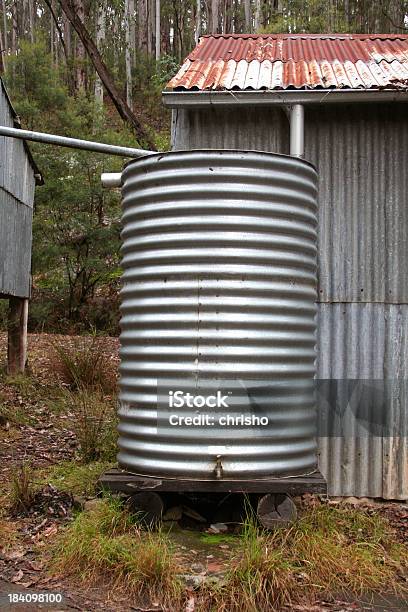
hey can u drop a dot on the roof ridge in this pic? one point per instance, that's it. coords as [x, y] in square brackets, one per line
[327, 35]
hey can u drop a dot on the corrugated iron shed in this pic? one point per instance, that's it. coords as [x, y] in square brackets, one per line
[39, 180]
[18, 176]
[361, 152]
[300, 61]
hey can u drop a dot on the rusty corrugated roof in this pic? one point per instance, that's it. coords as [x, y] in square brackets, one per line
[301, 61]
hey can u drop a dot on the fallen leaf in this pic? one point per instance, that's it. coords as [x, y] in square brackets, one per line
[16, 554]
[17, 577]
[215, 567]
[36, 565]
[52, 530]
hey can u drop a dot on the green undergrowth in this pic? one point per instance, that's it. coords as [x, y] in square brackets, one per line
[13, 415]
[73, 477]
[215, 539]
[29, 387]
[107, 543]
[30, 390]
[327, 551]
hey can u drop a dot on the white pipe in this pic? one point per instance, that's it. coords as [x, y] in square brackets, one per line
[73, 143]
[111, 179]
[297, 130]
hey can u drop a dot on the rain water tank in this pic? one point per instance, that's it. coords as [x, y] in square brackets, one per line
[219, 284]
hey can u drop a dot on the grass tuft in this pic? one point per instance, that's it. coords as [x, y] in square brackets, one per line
[83, 364]
[329, 550]
[22, 489]
[94, 423]
[107, 543]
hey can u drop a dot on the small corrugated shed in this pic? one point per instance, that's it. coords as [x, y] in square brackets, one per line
[18, 176]
[301, 61]
[357, 137]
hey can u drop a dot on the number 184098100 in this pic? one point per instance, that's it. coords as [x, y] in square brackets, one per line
[28, 598]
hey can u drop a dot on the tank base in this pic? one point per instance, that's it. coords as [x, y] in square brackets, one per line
[120, 481]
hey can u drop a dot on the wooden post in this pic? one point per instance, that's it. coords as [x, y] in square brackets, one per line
[17, 335]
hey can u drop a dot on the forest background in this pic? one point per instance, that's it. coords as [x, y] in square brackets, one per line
[95, 70]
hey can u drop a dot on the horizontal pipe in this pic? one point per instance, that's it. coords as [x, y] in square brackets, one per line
[73, 143]
[202, 99]
[111, 179]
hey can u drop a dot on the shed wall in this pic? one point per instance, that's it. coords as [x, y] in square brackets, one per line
[17, 185]
[361, 153]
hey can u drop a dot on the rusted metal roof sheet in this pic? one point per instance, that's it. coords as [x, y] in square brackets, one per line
[302, 61]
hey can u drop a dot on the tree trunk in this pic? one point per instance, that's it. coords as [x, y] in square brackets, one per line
[150, 25]
[238, 24]
[248, 16]
[14, 29]
[157, 30]
[23, 11]
[257, 15]
[5, 34]
[132, 30]
[142, 25]
[4, 43]
[120, 103]
[67, 35]
[128, 53]
[80, 50]
[227, 17]
[165, 34]
[197, 31]
[100, 37]
[52, 37]
[214, 17]
[116, 36]
[32, 20]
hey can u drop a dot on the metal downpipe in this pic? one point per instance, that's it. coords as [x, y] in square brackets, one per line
[297, 130]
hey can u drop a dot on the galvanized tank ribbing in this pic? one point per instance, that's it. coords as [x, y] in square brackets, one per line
[219, 259]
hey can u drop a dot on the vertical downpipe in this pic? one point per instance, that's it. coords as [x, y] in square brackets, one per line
[297, 135]
[297, 130]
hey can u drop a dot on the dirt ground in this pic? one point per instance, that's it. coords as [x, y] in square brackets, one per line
[47, 439]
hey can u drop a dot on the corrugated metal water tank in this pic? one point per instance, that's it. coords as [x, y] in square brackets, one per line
[219, 259]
